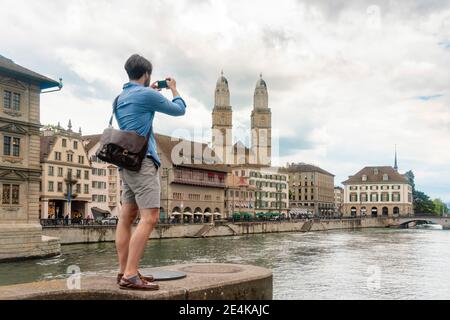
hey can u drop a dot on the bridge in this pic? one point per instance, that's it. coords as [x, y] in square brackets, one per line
[406, 222]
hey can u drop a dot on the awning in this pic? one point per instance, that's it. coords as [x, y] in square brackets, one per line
[217, 214]
[175, 214]
[187, 214]
[207, 214]
[198, 213]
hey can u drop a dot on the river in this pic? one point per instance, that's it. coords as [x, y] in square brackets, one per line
[364, 264]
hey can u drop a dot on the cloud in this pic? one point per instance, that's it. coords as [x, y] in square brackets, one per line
[347, 79]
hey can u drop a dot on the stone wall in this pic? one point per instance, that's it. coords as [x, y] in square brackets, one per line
[94, 234]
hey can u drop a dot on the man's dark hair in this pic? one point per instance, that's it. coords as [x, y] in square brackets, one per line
[136, 66]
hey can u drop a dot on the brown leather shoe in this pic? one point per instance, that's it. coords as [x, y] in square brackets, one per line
[135, 283]
[144, 278]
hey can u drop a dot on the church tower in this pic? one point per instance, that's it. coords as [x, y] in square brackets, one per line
[261, 125]
[222, 121]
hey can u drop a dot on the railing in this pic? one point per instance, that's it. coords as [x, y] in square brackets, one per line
[112, 222]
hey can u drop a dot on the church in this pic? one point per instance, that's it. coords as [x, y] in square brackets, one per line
[260, 152]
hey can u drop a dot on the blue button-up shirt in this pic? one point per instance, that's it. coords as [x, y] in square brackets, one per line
[136, 109]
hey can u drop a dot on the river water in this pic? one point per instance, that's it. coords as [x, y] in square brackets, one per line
[365, 264]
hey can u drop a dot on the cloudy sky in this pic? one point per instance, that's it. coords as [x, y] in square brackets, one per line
[348, 80]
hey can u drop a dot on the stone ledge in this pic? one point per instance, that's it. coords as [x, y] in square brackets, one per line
[203, 282]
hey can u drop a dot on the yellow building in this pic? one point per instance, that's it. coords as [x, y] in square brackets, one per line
[311, 189]
[66, 174]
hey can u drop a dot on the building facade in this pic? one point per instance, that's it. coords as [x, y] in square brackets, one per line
[239, 196]
[106, 185]
[20, 172]
[338, 201]
[192, 187]
[311, 189]
[377, 192]
[66, 174]
[271, 188]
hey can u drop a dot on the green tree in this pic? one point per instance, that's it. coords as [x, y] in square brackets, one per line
[423, 203]
[440, 207]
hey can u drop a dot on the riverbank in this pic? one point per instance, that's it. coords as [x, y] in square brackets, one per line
[98, 234]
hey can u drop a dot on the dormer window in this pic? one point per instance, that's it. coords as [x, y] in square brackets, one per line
[375, 171]
[364, 177]
[385, 177]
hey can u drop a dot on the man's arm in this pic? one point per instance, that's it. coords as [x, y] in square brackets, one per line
[176, 107]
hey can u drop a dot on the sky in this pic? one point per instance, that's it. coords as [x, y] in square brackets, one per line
[347, 80]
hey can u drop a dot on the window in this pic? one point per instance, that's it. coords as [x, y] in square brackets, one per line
[69, 157]
[69, 173]
[50, 186]
[16, 102]
[57, 156]
[7, 141]
[86, 188]
[6, 198]
[385, 177]
[6, 145]
[364, 177]
[7, 99]
[16, 147]
[86, 174]
[81, 159]
[78, 174]
[60, 172]
[64, 143]
[75, 145]
[78, 188]
[51, 171]
[60, 187]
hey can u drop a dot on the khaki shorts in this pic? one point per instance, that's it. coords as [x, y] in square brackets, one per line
[142, 188]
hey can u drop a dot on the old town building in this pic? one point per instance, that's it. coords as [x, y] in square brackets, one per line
[338, 201]
[311, 189]
[239, 196]
[20, 172]
[192, 183]
[105, 182]
[66, 174]
[271, 188]
[377, 192]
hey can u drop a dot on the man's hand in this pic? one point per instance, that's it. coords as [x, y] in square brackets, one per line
[154, 85]
[172, 84]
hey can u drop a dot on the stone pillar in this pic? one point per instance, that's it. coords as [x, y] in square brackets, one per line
[44, 208]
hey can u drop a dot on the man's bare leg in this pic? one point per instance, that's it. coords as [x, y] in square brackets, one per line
[139, 240]
[128, 215]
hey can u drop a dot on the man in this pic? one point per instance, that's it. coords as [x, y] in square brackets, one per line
[136, 107]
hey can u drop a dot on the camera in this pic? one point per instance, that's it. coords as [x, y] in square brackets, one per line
[162, 84]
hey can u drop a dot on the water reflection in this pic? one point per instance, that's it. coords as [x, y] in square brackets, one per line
[413, 264]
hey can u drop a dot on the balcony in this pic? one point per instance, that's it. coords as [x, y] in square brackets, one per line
[201, 183]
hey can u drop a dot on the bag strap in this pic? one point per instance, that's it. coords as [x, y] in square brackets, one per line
[116, 100]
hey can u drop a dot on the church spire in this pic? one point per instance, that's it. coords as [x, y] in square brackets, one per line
[395, 161]
[222, 94]
[261, 97]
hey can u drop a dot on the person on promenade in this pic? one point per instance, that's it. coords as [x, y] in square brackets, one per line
[136, 108]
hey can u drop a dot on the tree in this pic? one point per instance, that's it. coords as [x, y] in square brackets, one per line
[440, 207]
[423, 203]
